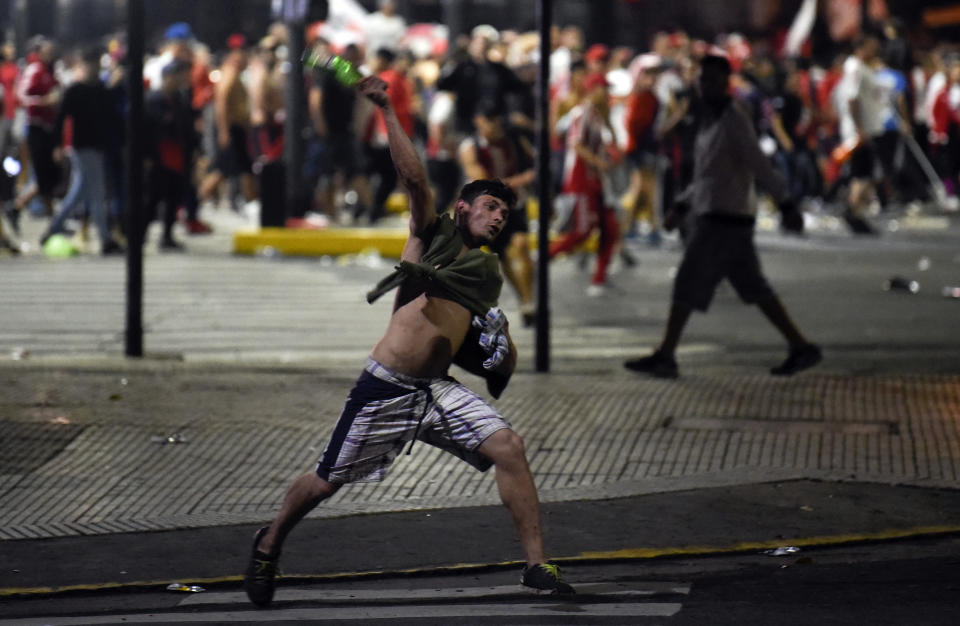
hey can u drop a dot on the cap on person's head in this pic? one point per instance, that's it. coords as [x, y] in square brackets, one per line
[486, 31]
[649, 62]
[178, 30]
[236, 41]
[597, 52]
[594, 80]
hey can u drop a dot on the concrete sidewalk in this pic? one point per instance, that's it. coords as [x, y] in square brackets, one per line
[156, 446]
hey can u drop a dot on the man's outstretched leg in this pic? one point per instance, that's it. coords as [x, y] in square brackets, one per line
[302, 497]
[519, 495]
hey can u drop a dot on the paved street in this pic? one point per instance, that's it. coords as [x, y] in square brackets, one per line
[249, 360]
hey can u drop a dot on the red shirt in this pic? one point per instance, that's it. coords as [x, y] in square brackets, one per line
[9, 72]
[586, 129]
[944, 115]
[37, 82]
[401, 99]
[641, 113]
[201, 85]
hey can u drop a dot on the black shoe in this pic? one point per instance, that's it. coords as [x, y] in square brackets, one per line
[5, 244]
[13, 217]
[171, 245]
[798, 360]
[545, 578]
[657, 365]
[111, 248]
[858, 225]
[259, 581]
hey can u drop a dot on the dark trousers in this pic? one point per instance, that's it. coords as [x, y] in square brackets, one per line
[168, 188]
[272, 182]
[381, 164]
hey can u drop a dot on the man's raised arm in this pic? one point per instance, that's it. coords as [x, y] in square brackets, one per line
[412, 173]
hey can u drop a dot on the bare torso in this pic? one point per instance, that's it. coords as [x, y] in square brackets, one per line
[424, 333]
[422, 337]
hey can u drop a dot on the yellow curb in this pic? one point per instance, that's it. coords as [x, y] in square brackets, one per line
[334, 241]
[388, 242]
[610, 555]
[750, 546]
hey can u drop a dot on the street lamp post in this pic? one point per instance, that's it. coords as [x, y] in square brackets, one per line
[544, 17]
[134, 158]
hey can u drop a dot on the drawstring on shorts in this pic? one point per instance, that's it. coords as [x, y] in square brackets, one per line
[426, 407]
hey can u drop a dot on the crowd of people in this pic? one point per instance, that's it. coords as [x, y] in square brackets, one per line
[876, 126]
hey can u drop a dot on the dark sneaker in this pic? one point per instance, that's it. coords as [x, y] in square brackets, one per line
[259, 581]
[13, 218]
[858, 225]
[657, 365]
[798, 360]
[111, 248]
[544, 578]
[6, 244]
[171, 245]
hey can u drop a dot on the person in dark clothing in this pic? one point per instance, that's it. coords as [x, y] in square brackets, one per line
[171, 138]
[727, 162]
[477, 81]
[88, 104]
[38, 92]
[332, 110]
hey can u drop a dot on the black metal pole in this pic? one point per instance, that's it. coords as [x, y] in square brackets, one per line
[134, 162]
[544, 17]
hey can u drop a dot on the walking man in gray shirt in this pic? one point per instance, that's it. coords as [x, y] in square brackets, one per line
[727, 161]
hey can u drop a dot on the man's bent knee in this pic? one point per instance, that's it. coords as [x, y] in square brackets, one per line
[317, 488]
[503, 446]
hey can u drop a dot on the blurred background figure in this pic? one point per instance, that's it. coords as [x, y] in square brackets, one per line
[497, 151]
[10, 151]
[333, 112]
[590, 149]
[231, 102]
[267, 101]
[392, 69]
[87, 105]
[170, 137]
[384, 29]
[39, 94]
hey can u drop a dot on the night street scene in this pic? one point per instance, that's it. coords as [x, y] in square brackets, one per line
[480, 312]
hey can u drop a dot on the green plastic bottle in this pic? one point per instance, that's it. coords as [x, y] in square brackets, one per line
[342, 70]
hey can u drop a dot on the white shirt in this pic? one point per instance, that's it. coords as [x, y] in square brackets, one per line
[859, 85]
[384, 32]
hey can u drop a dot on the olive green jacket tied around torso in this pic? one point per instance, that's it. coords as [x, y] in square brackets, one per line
[472, 280]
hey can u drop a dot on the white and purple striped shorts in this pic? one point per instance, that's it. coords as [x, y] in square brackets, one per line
[386, 409]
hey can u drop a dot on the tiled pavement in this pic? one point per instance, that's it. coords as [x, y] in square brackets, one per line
[88, 457]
